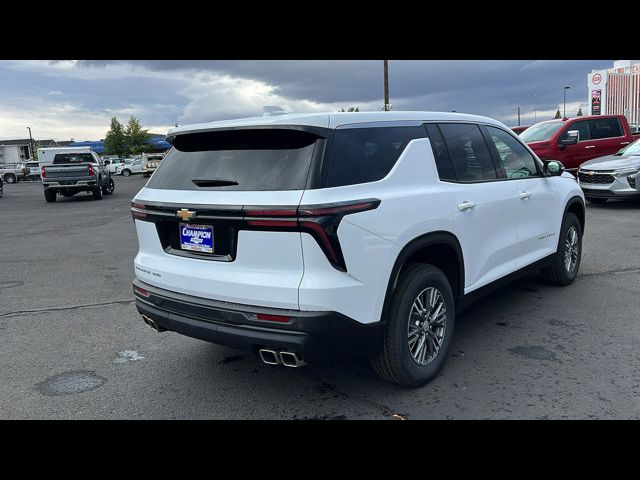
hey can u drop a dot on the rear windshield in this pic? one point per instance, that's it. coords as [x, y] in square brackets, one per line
[65, 158]
[254, 160]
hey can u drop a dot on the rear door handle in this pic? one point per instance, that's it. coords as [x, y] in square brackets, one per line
[465, 206]
[524, 195]
[624, 143]
[590, 146]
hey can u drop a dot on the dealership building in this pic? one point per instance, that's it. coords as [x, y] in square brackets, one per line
[616, 90]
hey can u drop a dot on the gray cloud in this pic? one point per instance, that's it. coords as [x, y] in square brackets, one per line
[163, 92]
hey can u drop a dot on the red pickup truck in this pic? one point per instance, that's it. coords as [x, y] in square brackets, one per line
[591, 137]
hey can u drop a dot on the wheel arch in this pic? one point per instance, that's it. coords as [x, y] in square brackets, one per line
[440, 249]
[576, 206]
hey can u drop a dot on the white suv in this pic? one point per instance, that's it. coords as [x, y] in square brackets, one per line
[306, 236]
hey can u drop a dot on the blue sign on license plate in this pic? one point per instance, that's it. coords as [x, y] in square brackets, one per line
[197, 238]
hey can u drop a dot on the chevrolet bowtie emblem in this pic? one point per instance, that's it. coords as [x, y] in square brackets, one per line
[185, 214]
[591, 173]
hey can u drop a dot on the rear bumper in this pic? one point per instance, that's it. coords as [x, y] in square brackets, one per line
[312, 335]
[69, 183]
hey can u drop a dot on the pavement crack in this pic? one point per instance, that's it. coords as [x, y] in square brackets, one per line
[69, 307]
[386, 411]
[611, 272]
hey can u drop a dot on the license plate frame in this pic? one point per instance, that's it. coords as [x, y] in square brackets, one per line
[197, 238]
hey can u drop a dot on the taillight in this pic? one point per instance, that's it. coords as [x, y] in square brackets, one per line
[138, 210]
[141, 291]
[43, 172]
[272, 318]
[90, 170]
[320, 221]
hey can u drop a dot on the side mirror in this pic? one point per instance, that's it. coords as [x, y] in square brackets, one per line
[553, 168]
[573, 137]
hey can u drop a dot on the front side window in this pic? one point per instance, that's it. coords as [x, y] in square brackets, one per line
[361, 155]
[605, 128]
[583, 129]
[469, 153]
[516, 160]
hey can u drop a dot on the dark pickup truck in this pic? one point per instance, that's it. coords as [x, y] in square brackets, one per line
[67, 171]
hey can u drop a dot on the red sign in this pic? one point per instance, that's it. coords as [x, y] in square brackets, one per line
[596, 79]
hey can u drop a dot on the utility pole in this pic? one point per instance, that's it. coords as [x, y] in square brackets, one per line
[518, 108]
[564, 109]
[387, 105]
[31, 142]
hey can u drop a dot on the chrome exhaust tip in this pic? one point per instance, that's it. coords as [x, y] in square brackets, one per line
[270, 357]
[151, 323]
[290, 359]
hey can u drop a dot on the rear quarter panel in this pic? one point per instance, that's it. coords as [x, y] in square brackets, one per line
[412, 204]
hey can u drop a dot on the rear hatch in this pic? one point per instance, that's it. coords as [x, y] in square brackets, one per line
[193, 218]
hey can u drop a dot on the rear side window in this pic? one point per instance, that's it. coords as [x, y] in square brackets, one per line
[440, 153]
[468, 151]
[65, 158]
[244, 160]
[605, 128]
[361, 155]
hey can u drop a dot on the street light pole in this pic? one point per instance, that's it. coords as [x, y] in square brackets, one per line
[564, 108]
[386, 106]
[518, 108]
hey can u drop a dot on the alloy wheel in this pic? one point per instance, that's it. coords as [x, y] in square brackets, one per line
[426, 325]
[571, 249]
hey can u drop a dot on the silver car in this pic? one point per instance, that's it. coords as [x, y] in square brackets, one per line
[613, 176]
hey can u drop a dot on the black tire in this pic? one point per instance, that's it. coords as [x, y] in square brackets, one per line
[596, 200]
[1, 189]
[558, 273]
[126, 172]
[109, 187]
[97, 193]
[394, 361]
[50, 195]
[10, 178]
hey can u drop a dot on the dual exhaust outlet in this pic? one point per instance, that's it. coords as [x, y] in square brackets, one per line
[288, 359]
[270, 357]
[152, 324]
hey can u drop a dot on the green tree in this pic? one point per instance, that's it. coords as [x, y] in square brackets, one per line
[557, 114]
[579, 112]
[350, 109]
[115, 142]
[137, 138]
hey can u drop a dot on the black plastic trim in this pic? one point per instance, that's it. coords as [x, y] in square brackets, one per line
[471, 297]
[314, 335]
[417, 244]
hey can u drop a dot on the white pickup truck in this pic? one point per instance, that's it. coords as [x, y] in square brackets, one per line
[67, 171]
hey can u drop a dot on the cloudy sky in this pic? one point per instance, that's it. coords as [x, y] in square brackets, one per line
[76, 99]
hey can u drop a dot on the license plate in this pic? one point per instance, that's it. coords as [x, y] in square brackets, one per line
[196, 238]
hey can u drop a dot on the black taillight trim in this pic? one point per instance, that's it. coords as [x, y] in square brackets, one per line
[321, 221]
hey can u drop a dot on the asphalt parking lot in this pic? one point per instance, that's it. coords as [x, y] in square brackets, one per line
[74, 347]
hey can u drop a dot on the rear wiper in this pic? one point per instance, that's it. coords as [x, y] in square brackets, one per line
[213, 182]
